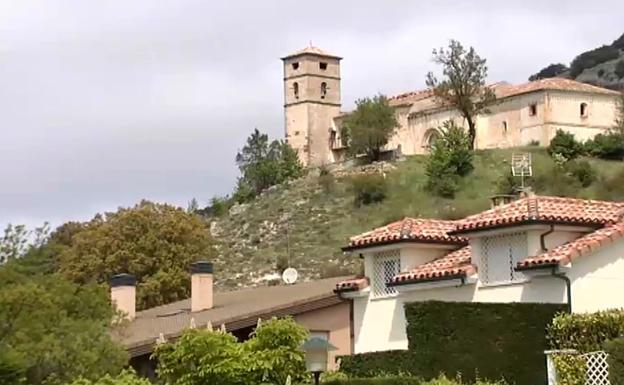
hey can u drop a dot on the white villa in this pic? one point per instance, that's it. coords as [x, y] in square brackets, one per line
[537, 249]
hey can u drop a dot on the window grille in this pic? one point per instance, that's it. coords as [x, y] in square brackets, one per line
[500, 255]
[386, 265]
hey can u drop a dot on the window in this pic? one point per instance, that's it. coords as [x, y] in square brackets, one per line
[295, 65]
[323, 90]
[583, 110]
[323, 66]
[296, 90]
[386, 265]
[499, 256]
[504, 127]
[533, 109]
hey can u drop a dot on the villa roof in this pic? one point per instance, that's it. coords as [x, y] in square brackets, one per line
[234, 309]
[455, 264]
[354, 284]
[408, 230]
[559, 84]
[544, 209]
[311, 50]
[567, 252]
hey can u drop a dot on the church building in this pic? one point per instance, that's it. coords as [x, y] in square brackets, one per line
[525, 114]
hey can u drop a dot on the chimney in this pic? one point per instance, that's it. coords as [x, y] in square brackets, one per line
[123, 294]
[201, 286]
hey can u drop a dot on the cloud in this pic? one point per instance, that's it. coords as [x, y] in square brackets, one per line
[105, 103]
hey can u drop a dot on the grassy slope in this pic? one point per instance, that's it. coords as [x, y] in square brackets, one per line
[319, 222]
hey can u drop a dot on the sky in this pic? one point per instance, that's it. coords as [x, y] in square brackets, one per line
[105, 103]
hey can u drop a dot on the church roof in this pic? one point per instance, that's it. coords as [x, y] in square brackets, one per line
[311, 50]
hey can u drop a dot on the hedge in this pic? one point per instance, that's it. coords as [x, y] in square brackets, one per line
[615, 348]
[393, 380]
[484, 340]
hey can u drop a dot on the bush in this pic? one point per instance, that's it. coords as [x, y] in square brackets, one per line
[563, 143]
[450, 159]
[583, 172]
[612, 188]
[389, 380]
[326, 180]
[368, 189]
[551, 71]
[126, 377]
[606, 146]
[619, 69]
[615, 348]
[496, 341]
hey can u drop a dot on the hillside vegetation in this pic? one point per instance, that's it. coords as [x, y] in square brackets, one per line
[312, 217]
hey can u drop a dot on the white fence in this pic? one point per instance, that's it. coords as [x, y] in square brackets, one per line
[596, 371]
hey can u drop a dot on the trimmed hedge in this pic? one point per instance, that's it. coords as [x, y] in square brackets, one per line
[615, 348]
[394, 380]
[484, 340]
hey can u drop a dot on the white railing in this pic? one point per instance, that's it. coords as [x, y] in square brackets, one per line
[596, 370]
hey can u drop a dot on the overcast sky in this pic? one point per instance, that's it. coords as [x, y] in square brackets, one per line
[103, 103]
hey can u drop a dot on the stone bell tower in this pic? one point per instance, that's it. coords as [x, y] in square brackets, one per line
[311, 101]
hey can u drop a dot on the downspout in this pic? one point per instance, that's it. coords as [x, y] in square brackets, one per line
[555, 270]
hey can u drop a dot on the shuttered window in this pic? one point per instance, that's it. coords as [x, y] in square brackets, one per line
[499, 255]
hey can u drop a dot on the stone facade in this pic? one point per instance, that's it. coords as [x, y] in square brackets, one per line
[524, 114]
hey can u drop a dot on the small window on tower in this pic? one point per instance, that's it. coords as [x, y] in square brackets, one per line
[505, 127]
[323, 65]
[533, 109]
[296, 90]
[323, 90]
[583, 110]
[295, 65]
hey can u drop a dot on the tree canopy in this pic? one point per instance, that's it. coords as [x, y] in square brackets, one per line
[369, 128]
[53, 331]
[264, 164]
[155, 242]
[550, 71]
[463, 85]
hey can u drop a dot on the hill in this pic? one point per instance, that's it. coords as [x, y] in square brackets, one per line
[602, 66]
[309, 219]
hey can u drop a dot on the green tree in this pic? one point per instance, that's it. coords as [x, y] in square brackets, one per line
[550, 71]
[206, 357]
[264, 164]
[53, 331]
[450, 159]
[564, 144]
[154, 242]
[369, 128]
[17, 241]
[126, 377]
[463, 86]
[619, 68]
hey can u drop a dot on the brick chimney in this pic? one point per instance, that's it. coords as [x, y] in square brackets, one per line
[201, 286]
[123, 294]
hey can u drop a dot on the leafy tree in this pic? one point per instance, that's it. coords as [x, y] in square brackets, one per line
[463, 86]
[550, 71]
[592, 58]
[450, 159]
[263, 164]
[368, 189]
[126, 377]
[154, 242]
[564, 144]
[53, 331]
[619, 42]
[206, 357]
[619, 68]
[17, 240]
[193, 206]
[369, 128]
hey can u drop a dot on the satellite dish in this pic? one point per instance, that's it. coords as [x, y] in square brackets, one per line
[290, 275]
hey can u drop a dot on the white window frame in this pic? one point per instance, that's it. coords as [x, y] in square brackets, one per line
[386, 264]
[500, 255]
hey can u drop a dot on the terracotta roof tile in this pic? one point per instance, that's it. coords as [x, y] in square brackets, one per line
[408, 229]
[584, 245]
[560, 84]
[544, 209]
[311, 50]
[354, 284]
[454, 264]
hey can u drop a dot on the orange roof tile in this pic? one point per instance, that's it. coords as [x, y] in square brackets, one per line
[354, 284]
[311, 50]
[584, 245]
[408, 230]
[544, 209]
[452, 265]
[560, 84]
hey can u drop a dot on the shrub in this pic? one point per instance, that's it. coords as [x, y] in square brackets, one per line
[550, 71]
[126, 377]
[388, 380]
[612, 188]
[606, 146]
[368, 189]
[583, 172]
[326, 180]
[377, 363]
[450, 159]
[563, 143]
[615, 348]
[619, 69]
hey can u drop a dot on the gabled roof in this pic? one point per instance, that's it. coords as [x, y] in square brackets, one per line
[311, 50]
[544, 209]
[234, 309]
[559, 84]
[416, 230]
[567, 252]
[452, 265]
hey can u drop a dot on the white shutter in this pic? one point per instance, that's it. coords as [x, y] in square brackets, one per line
[500, 255]
[386, 265]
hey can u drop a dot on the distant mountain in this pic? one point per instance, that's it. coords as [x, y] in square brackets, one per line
[602, 66]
